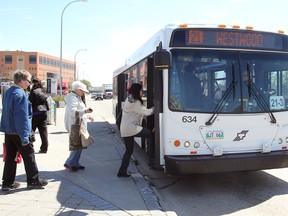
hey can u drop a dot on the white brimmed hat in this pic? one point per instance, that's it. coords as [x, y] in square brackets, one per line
[79, 85]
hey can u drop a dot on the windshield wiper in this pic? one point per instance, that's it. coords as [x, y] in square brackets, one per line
[226, 95]
[253, 90]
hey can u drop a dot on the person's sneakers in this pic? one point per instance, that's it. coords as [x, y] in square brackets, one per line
[71, 168]
[81, 167]
[38, 184]
[123, 175]
[9, 187]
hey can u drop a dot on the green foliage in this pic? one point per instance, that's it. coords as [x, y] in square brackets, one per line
[87, 83]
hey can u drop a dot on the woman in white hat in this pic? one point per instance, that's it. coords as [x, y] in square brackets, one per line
[75, 104]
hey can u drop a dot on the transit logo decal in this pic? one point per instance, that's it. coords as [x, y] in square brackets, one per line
[241, 135]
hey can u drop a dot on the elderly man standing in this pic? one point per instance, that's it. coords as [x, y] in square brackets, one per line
[16, 124]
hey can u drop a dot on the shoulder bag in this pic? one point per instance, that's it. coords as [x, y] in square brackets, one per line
[79, 136]
[74, 136]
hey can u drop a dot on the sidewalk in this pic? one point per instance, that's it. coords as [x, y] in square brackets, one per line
[93, 191]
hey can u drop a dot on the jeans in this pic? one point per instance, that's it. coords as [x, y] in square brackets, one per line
[13, 145]
[74, 157]
[129, 144]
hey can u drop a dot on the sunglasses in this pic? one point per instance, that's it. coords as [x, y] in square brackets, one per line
[28, 81]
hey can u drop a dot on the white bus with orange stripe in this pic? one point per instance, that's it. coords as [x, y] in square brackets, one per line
[220, 95]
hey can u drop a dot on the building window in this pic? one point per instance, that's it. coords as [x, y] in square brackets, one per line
[8, 59]
[32, 59]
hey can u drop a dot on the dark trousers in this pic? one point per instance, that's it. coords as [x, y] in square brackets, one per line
[129, 144]
[40, 122]
[13, 145]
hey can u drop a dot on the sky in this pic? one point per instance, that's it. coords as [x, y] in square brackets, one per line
[112, 30]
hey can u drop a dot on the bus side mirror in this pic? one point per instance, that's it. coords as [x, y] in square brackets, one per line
[162, 59]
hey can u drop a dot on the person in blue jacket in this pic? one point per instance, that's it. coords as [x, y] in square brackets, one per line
[16, 124]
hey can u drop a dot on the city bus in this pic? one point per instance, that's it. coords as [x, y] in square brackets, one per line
[220, 95]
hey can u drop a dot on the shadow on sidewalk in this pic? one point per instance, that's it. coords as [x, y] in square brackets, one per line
[97, 187]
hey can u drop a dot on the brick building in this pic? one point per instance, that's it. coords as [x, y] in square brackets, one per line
[40, 65]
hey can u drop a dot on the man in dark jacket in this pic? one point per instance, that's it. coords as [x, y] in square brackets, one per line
[40, 107]
[16, 124]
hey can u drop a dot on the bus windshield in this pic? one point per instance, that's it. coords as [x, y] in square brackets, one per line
[228, 81]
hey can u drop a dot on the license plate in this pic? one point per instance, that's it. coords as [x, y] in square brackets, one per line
[212, 135]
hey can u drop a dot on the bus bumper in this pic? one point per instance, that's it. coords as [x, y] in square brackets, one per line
[185, 165]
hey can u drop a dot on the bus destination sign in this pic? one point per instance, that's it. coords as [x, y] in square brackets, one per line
[229, 38]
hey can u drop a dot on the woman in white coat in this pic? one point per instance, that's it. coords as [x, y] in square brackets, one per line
[132, 113]
[75, 104]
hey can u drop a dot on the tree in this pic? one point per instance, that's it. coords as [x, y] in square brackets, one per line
[87, 83]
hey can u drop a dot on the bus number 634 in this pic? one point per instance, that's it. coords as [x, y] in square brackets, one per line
[189, 119]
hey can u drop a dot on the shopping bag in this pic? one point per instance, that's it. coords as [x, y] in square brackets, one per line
[86, 139]
[18, 157]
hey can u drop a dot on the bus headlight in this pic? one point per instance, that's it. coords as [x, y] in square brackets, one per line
[187, 144]
[196, 145]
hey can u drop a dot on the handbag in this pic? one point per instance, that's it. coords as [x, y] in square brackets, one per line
[74, 136]
[86, 139]
[79, 136]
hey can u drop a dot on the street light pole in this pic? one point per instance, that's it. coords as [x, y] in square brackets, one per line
[78, 70]
[75, 71]
[61, 36]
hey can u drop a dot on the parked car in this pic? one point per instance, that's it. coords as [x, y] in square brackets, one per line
[98, 96]
[93, 95]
